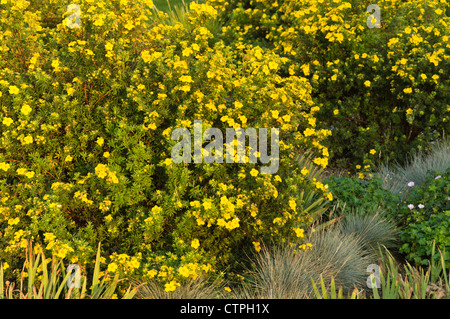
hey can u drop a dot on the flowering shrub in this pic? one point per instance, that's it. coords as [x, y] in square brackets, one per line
[382, 89]
[85, 149]
[424, 214]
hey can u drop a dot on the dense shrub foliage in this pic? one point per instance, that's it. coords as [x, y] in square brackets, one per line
[85, 151]
[362, 194]
[382, 91]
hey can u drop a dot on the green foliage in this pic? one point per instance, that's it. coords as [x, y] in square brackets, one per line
[362, 194]
[324, 293]
[424, 215]
[407, 282]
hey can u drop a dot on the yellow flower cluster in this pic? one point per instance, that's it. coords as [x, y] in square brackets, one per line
[124, 263]
[102, 171]
[58, 248]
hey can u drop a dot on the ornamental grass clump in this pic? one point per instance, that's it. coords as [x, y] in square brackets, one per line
[417, 168]
[373, 226]
[286, 272]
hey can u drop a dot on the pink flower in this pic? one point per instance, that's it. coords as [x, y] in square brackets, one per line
[421, 206]
[410, 206]
[411, 184]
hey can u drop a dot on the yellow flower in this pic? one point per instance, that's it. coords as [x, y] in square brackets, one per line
[100, 141]
[13, 89]
[227, 289]
[195, 47]
[304, 171]
[275, 114]
[99, 22]
[407, 90]
[101, 170]
[26, 109]
[308, 132]
[68, 158]
[4, 166]
[292, 204]
[367, 83]
[186, 78]
[49, 236]
[113, 178]
[109, 46]
[372, 151]
[106, 154]
[29, 174]
[336, 112]
[55, 65]
[305, 69]
[21, 171]
[112, 267]
[129, 25]
[185, 88]
[151, 273]
[257, 246]
[273, 65]
[13, 221]
[187, 52]
[195, 243]
[28, 139]
[392, 41]
[184, 271]
[409, 111]
[171, 286]
[207, 205]
[299, 232]
[134, 263]
[253, 172]
[7, 121]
